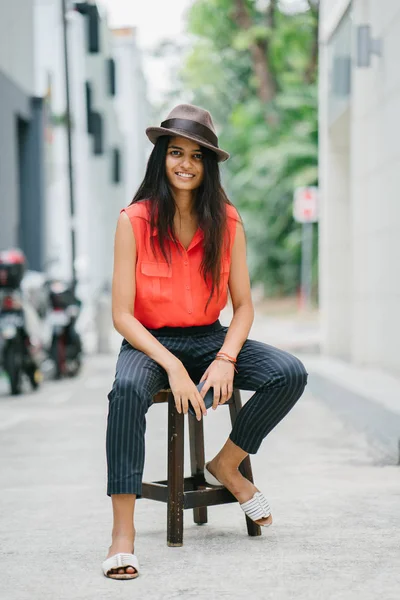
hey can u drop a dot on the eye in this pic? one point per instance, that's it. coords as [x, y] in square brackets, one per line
[198, 156]
[175, 152]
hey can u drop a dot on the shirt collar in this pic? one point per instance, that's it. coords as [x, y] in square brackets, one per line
[198, 236]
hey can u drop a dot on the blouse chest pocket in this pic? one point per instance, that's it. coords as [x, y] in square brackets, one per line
[157, 280]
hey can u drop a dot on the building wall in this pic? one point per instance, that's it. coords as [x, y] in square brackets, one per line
[133, 107]
[16, 43]
[21, 115]
[106, 196]
[50, 83]
[360, 169]
[13, 102]
[97, 198]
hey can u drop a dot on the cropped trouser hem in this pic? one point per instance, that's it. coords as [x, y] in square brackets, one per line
[130, 485]
[242, 445]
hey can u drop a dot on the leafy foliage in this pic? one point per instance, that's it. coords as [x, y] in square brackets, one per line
[242, 52]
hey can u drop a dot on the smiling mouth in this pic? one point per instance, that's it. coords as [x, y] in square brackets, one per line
[184, 175]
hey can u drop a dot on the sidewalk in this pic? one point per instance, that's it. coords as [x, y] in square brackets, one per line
[335, 531]
[368, 399]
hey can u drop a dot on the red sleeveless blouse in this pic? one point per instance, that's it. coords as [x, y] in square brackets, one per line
[175, 295]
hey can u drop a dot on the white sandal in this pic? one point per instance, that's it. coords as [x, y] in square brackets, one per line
[121, 561]
[256, 508]
[210, 479]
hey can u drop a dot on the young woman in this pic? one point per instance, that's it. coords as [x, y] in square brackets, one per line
[179, 246]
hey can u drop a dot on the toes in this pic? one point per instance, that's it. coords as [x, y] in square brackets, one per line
[115, 573]
[130, 570]
[264, 522]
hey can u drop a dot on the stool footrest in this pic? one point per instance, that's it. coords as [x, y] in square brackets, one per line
[192, 496]
[207, 497]
[155, 491]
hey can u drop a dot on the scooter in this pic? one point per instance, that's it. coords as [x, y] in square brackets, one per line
[19, 355]
[66, 346]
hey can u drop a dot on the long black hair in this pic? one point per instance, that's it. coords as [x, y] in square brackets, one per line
[210, 207]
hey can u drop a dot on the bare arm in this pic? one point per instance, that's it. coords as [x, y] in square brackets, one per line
[123, 298]
[123, 302]
[239, 287]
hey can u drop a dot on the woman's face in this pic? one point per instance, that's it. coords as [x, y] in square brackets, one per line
[184, 164]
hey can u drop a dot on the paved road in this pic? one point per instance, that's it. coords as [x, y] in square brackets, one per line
[336, 509]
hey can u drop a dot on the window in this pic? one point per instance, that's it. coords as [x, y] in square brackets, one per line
[111, 76]
[116, 165]
[92, 25]
[88, 91]
[340, 68]
[93, 29]
[98, 133]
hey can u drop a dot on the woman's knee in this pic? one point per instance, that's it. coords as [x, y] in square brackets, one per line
[129, 389]
[284, 370]
[292, 371]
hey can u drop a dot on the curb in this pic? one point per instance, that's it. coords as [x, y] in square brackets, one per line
[377, 422]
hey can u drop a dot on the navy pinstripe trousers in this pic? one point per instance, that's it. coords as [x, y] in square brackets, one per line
[277, 378]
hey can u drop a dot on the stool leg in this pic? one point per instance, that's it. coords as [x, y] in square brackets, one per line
[245, 468]
[197, 460]
[175, 474]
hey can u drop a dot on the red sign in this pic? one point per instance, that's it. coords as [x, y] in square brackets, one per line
[305, 205]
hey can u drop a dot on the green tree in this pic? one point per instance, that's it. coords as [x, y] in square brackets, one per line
[254, 66]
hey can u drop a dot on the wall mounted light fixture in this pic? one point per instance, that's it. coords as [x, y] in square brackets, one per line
[366, 46]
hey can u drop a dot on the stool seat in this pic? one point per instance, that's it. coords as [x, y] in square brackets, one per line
[193, 492]
[161, 396]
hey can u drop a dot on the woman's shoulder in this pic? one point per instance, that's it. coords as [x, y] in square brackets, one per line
[137, 209]
[232, 212]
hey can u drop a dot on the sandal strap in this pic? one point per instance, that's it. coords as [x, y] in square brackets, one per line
[120, 561]
[257, 507]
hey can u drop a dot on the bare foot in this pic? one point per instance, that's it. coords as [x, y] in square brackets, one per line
[122, 543]
[239, 486]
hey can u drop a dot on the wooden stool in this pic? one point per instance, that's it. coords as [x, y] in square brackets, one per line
[191, 492]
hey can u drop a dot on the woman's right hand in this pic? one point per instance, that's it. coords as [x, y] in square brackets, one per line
[185, 391]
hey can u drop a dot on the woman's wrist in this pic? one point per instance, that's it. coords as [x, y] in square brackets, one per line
[172, 364]
[230, 353]
[225, 358]
[226, 355]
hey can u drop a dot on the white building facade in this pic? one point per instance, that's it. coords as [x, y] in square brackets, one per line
[97, 143]
[360, 181]
[132, 106]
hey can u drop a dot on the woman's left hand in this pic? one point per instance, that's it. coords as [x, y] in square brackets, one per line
[219, 376]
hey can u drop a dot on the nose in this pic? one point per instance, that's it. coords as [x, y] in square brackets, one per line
[186, 162]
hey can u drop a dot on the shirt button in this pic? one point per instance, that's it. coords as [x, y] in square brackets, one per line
[190, 311]
[185, 263]
[188, 287]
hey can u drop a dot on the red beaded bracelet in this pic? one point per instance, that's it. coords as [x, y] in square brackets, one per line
[227, 355]
[226, 360]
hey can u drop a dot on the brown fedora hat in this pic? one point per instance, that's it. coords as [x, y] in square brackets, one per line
[190, 122]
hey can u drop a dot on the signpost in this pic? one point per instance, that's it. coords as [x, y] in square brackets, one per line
[305, 211]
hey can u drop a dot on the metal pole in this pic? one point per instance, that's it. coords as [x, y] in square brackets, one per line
[306, 265]
[69, 141]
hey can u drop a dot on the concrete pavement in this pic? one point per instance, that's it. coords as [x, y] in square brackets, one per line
[335, 506]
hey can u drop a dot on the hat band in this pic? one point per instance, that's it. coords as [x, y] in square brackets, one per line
[192, 127]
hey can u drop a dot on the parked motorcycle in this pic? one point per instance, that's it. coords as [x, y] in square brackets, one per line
[20, 354]
[66, 346]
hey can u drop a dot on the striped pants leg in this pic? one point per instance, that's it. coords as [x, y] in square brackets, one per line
[277, 378]
[137, 379]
